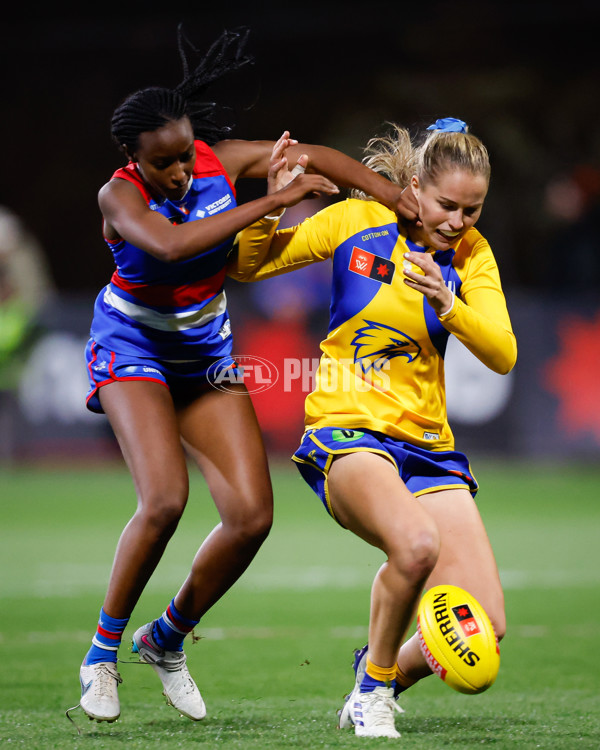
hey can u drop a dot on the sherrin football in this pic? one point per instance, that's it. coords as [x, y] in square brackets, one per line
[457, 639]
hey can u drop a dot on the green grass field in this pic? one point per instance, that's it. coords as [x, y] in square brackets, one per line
[274, 659]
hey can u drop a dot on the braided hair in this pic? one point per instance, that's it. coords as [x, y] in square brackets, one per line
[151, 108]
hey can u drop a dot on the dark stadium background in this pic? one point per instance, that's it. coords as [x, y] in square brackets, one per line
[525, 76]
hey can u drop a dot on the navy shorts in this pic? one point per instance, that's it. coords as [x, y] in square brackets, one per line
[422, 471]
[181, 378]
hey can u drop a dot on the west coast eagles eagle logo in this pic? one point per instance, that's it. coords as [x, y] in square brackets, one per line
[375, 344]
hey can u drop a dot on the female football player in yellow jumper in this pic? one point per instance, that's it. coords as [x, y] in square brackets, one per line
[169, 219]
[378, 449]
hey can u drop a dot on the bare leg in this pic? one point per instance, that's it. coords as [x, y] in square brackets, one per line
[143, 419]
[369, 498]
[221, 432]
[466, 559]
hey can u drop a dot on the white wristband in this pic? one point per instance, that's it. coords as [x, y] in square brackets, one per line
[274, 217]
[441, 315]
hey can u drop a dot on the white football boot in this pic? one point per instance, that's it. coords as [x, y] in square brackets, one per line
[359, 665]
[372, 714]
[178, 686]
[99, 697]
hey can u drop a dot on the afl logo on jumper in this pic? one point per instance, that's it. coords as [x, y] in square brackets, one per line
[372, 266]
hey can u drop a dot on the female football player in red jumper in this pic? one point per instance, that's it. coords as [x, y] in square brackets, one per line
[169, 218]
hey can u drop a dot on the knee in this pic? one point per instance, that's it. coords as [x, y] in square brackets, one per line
[256, 525]
[252, 520]
[160, 509]
[424, 549]
[416, 553]
[259, 526]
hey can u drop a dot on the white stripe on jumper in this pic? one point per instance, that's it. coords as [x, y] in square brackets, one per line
[179, 321]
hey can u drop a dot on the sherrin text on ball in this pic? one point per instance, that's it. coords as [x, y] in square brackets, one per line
[457, 639]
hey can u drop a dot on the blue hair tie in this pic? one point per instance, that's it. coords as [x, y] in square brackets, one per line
[449, 125]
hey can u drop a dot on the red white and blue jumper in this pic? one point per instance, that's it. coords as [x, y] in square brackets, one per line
[165, 321]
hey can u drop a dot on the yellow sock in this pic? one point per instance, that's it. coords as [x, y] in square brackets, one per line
[381, 674]
[402, 681]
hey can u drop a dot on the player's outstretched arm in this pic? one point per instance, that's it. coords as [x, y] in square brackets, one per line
[127, 213]
[253, 244]
[252, 159]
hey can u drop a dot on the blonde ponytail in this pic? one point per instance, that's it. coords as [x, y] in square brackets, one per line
[448, 145]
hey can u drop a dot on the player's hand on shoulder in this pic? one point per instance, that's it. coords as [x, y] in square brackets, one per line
[407, 207]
